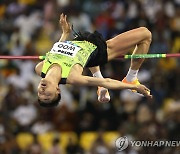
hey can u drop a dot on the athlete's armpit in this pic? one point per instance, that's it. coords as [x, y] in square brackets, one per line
[38, 68]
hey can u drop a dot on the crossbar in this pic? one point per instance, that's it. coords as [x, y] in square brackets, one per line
[135, 56]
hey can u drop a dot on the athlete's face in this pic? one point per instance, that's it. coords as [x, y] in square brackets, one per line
[47, 91]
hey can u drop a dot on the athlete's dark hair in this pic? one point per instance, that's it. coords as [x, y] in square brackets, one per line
[52, 103]
[95, 38]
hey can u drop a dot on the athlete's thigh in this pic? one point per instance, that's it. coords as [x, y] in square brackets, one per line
[122, 43]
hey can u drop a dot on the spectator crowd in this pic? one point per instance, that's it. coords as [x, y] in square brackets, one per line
[30, 27]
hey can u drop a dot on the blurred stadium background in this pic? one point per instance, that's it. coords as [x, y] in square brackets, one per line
[81, 125]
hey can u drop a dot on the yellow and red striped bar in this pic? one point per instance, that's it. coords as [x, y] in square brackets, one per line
[135, 56]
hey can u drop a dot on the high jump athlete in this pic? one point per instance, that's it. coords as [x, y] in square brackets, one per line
[65, 62]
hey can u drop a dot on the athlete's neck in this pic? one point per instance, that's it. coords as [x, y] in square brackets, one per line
[54, 73]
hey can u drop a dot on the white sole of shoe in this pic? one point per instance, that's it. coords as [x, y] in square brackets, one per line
[102, 94]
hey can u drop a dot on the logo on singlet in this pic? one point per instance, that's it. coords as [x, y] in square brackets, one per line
[65, 49]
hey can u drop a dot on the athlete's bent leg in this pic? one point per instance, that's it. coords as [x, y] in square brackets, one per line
[139, 39]
[123, 43]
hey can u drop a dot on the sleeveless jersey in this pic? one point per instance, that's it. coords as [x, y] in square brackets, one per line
[67, 54]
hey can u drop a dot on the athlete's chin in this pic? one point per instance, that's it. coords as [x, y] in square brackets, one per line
[43, 81]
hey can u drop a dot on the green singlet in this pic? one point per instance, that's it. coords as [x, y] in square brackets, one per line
[67, 54]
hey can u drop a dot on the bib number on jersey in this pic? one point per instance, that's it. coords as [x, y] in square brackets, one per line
[65, 49]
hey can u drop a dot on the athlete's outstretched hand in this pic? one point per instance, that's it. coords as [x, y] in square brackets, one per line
[144, 90]
[66, 27]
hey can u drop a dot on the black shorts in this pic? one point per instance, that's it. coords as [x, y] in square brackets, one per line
[98, 57]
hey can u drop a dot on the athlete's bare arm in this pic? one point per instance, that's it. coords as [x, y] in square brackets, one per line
[65, 26]
[108, 83]
[66, 30]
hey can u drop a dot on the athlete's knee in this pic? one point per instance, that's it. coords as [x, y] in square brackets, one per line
[146, 34]
[110, 44]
